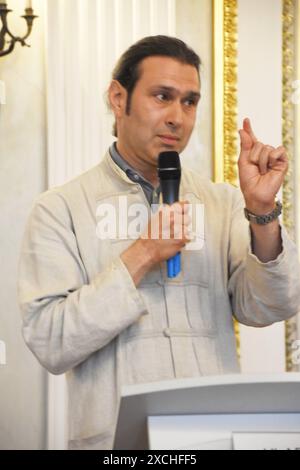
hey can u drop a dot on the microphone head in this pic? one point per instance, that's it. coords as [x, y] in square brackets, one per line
[169, 173]
[168, 160]
[169, 167]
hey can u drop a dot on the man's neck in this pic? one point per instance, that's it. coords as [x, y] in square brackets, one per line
[148, 172]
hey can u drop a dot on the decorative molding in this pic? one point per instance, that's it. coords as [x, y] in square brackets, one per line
[218, 90]
[225, 91]
[290, 35]
[297, 143]
[225, 112]
[288, 115]
[230, 91]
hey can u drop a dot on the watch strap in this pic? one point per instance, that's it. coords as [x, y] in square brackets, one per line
[264, 219]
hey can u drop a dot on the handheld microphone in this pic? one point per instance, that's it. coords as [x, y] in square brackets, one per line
[169, 172]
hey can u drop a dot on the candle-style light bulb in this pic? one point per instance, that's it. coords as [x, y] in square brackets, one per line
[28, 4]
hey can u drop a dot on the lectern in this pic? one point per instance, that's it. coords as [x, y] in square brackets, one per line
[203, 413]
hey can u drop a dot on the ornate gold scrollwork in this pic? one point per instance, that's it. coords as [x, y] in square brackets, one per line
[225, 114]
[290, 64]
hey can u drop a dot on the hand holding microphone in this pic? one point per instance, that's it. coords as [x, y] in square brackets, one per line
[166, 234]
[168, 229]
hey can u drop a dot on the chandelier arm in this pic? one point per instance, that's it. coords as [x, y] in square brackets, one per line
[29, 21]
[29, 17]
[9, 50]
[29, 29]
[5, 28]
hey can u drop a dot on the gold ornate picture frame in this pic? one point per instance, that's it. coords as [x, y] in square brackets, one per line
[225, 111]
[291, 140]
[225, 106]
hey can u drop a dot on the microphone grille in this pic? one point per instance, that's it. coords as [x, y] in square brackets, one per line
[168, 160]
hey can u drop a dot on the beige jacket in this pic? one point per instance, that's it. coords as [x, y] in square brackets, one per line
[83, 314]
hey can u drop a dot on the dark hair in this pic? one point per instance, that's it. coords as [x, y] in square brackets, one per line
[127, 70]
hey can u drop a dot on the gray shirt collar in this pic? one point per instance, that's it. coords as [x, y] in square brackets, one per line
[152, 194]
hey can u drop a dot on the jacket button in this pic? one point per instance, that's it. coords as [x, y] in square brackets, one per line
[167, 332]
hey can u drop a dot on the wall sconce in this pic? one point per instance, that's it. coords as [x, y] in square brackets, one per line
[29, 17]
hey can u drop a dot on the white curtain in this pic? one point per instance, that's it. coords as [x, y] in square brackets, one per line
[84, 40]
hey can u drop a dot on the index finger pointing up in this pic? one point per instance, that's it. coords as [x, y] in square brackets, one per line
[247, 127]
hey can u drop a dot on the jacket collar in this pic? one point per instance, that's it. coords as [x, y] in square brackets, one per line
[112, 166]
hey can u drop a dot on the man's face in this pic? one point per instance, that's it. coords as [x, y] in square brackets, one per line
[162, 111]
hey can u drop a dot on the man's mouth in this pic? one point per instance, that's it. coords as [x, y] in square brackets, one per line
[169, 139]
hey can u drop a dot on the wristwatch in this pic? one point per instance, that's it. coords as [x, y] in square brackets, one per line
[264, 219]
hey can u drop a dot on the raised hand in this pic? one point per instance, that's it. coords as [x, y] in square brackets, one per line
[262, 169]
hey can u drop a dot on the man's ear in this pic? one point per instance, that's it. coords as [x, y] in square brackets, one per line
[117, 96]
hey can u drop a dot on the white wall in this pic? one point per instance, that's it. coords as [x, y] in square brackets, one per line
[193, 25]
[260, 98]
[22, 177]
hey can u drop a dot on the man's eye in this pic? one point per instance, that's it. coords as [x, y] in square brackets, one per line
[190, 102]
[162, 97]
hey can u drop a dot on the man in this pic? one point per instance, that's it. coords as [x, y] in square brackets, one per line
[104, 310]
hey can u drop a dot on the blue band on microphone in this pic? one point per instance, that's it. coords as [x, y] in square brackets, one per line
[174, 266]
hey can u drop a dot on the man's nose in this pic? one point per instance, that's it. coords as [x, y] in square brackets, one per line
[175, 114]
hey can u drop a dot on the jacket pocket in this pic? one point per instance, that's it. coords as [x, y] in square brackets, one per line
[171, 354]
[148, 359]
[198, 308]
